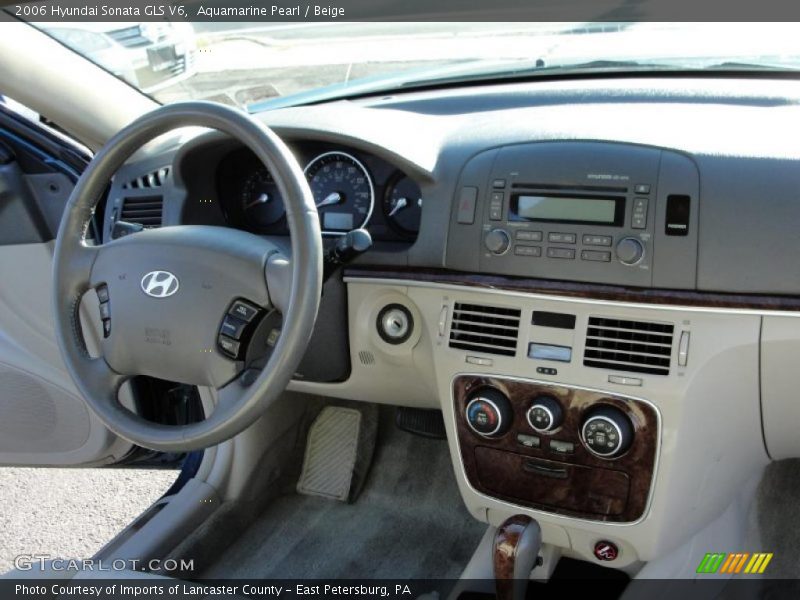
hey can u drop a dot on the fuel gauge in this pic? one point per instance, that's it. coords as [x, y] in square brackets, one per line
[402, 205]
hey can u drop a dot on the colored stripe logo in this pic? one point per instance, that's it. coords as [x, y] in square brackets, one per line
[735, 563]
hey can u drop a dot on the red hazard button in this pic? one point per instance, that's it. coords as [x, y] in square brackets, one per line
[604, 550]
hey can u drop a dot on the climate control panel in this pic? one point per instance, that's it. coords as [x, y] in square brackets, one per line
[565, 450]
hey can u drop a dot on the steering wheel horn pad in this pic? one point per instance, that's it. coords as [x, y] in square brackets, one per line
[170, 332]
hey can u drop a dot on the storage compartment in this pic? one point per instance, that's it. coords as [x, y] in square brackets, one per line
[552, 484]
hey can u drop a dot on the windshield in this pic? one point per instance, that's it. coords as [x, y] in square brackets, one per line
[252, 64]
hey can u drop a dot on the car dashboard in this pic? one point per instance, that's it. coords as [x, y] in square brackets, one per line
[599, 290]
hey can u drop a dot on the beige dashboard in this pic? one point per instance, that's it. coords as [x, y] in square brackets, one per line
[709, 404]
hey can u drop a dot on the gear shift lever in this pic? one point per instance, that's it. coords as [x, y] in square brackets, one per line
[516, 549]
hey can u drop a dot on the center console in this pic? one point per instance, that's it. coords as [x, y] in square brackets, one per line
[560, 449]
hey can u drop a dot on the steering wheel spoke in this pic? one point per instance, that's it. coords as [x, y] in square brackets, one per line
[168, 293]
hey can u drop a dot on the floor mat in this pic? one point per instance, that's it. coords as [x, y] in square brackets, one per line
[408, 522]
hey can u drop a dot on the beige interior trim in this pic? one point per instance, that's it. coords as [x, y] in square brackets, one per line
[32, 63]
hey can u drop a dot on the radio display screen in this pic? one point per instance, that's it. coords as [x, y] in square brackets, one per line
[568, 209]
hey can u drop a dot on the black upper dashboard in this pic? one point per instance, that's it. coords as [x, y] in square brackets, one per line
[728, 145]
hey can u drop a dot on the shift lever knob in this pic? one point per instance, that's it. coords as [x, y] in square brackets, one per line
[516, 548]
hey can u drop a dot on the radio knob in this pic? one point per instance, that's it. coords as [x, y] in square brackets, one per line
[630, 251]
[545, 414]
[489, 413]
[497, 241]
[607, 432]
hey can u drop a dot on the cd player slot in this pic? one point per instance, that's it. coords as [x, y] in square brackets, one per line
[532, 187]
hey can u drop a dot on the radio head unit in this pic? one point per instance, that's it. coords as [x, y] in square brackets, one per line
[580, 211]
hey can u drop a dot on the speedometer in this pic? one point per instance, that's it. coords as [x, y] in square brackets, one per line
[342, 190]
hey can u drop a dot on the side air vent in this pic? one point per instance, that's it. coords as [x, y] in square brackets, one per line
[622, 345]
[154, 179]
[487, 329]
[145, 210]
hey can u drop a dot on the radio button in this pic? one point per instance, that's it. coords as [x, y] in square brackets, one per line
[639, 218]
[496, 206]
[560, 253]
[524, 235]
[630, 251]
[527, 250]
[641, 188]
[597, 240]
[561, 238]
[501, 183]
[596, 255]
[497, 241]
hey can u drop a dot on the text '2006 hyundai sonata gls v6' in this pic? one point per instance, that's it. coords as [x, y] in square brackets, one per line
[461, 309]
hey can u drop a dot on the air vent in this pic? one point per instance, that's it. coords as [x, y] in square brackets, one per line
[154, 179]
[487, 329]
[622, 345]
[145, 210]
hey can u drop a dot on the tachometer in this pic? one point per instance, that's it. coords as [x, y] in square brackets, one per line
[342, 190]
[262, 205]
[402, 204]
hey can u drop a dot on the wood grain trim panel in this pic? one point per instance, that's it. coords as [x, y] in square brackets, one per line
[627, 478]
[591, 291]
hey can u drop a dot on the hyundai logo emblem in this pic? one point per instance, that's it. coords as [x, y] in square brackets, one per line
[159, 284]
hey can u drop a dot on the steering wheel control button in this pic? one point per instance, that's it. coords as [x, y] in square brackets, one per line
[105, 311]
[545, 414]
[233, 327]
[489, 413]
[606, 551]
[395, 324]
[243, 310]
[228, 346]
[238, 325]
[607, 432]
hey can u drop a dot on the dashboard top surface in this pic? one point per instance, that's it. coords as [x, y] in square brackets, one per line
[739, 133]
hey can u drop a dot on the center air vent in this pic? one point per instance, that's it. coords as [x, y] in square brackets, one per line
[622, 345]
[145, 210]
[486, 329]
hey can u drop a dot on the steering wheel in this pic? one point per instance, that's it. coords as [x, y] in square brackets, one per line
[171, 331]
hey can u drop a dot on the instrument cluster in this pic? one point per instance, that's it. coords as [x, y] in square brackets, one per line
[351, 190]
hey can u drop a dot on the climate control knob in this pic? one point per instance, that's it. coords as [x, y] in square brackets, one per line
[607, 432]
[489, 413]
[545, 414]
[497, 241]
[630, 251]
